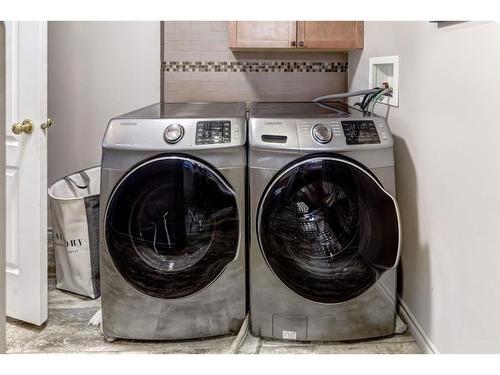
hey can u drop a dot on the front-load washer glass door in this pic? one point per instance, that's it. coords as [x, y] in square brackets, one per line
[327, 228]
[171, 226]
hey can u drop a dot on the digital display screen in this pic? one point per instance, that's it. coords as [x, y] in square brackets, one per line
[360, 132]
[210, 132]
[364, 134]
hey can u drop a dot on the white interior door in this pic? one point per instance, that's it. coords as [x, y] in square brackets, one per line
[2, 188]
[26, 171]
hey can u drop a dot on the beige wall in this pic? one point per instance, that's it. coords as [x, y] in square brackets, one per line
[2, 187]
[447, 150]
[208, 42]
[96, 70]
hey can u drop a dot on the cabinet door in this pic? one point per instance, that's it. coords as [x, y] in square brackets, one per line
[330, 34]
[262, 34]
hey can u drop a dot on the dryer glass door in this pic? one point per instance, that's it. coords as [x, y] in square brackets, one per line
[327, 228]
[171, 226]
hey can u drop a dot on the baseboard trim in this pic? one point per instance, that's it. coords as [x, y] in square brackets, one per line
[416, 330]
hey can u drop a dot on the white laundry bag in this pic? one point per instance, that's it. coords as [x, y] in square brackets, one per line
[74, 203]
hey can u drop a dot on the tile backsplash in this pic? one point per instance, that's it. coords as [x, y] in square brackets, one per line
[199, 66]
[254, 66]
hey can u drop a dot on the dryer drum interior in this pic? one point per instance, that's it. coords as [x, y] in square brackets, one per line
[327, 228]
[171, 226]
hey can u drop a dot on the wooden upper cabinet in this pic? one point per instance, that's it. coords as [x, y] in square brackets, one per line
[330, 35]
[296, 35]
[262, 34]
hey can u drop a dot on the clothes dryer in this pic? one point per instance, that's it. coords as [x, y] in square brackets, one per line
[172, 242]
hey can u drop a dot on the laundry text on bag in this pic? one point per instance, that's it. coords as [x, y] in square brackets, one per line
[71, 245]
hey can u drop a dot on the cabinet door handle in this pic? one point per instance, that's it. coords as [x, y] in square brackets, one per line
[292, 43]
[301, 43]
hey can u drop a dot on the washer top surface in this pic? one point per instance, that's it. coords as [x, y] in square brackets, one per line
[301, 126]
[189, 110]
[302, 110]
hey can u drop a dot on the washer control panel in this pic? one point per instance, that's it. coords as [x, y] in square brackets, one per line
[213, 132]
[321, 133]
[360, 132]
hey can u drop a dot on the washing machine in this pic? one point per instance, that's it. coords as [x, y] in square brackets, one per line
[324, 223]
[172, 239]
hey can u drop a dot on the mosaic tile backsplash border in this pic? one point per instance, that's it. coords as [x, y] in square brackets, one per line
[255, 66]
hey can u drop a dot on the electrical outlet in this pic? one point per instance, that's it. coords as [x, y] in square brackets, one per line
[385, 69]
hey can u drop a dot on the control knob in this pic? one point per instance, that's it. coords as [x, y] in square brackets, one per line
[321, 133]
[173, 133]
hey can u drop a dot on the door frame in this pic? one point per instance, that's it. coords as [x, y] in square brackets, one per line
[2, 189]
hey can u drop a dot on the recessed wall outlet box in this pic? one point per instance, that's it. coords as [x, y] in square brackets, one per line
[385, 69]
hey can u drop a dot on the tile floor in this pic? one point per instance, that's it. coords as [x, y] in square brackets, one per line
[67, 330]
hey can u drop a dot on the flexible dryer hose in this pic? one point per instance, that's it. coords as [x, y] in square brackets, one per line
[240, 337]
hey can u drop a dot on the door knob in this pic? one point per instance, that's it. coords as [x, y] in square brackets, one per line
[46, 124]
[25, 127]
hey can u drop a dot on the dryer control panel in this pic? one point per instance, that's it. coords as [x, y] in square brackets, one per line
[179, 127]
[212, 132]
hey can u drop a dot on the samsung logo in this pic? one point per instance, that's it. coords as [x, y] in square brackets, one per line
[273, 123]
[128, 123]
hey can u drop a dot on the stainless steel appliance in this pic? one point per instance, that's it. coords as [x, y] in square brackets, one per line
[324, 224]
[173, 221]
